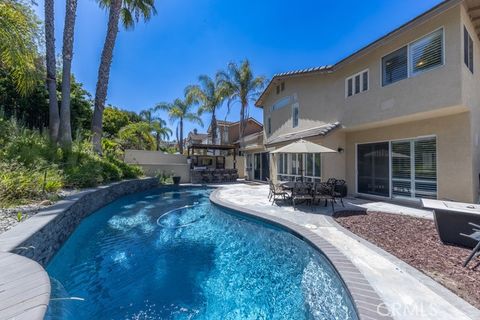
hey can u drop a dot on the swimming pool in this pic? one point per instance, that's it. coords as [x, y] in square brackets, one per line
[171, 254]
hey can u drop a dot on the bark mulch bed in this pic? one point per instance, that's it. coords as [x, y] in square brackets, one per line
[416, 242]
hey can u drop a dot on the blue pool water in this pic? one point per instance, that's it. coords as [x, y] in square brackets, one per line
[170, 254]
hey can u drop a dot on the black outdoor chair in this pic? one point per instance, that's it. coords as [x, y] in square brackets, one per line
[324, 191]
[340, 190]
[476, 237]
[301, 192]
[331, 181]
[276, 191]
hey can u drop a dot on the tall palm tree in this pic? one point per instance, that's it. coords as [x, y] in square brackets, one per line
[159, 126]
[180, 110]
[19, 35]
[65, 129]
[130, 11]
[54, 117]
[242, 87]
[210, 95]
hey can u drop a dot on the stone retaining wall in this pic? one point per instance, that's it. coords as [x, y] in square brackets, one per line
[41, 236]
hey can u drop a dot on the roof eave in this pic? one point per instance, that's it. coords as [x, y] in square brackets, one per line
[438, 9]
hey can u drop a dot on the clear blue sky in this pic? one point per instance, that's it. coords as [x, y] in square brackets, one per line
[157, 60]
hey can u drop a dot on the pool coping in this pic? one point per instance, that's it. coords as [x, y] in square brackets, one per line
[367, 302]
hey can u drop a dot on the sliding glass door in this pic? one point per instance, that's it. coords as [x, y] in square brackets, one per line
[373, 169]
[405, 168]
[414, 168]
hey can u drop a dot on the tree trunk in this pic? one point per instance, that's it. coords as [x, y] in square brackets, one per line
[51, 80]
[65, 131]
[242, 121]
[213, 125]
[180, 142]
[157, 136]
[104, 74]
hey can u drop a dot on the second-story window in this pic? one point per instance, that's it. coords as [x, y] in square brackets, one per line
[269, 125]
[357, 83]
[426, 53]
[395, 66]
[295, 115]
[282, 86]
[467, 49]
[418, 56]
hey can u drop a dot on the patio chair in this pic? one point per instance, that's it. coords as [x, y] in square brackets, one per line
[476, 237]
[340, 190]
[324, 191]
[331, 181]
[276, 191]
[301, 192]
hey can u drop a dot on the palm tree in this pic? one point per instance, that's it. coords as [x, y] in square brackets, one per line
[180, 110]
[159, 126]
[19, 35]
[65, 130]
[54, 117]
[130, 12]
[210, 95]
[242, 87]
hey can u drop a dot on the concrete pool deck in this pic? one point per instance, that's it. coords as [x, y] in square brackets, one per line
[405, 291]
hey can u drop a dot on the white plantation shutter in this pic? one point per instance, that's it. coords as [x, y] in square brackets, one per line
[427, 52]
[426, 168]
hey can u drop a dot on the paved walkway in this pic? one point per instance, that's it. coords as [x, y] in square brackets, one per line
[408, 293]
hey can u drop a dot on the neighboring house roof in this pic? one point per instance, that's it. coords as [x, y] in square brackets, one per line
[250, 137]
[197, 136]
[230, 124]
[440, 8]
[316, 131]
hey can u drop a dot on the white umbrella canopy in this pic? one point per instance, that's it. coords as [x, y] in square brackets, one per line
[303, 146]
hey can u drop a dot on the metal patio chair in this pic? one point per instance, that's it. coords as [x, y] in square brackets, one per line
[476, 237]
[301, 192]
[276, 191]
[324, 191]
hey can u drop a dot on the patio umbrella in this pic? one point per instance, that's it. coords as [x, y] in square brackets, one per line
[303, 146]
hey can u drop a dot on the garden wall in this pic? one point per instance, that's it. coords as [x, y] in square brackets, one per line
[155, 162]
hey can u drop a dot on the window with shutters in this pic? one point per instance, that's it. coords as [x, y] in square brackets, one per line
[357, 83]
[426, 53]
[395, 66]
[416, 57]
[467, 50]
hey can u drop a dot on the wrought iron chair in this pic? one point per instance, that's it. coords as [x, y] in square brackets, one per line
[324, 191]
[301, 192]
[476, 237]
[340, 190]
[276, 191]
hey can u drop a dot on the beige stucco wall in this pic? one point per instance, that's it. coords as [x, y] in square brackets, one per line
[454, 165]
[471, 94]
[240, 164]
[321, 97]
[156, 162]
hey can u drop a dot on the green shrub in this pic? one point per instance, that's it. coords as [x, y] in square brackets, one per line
[19, 183]
[128, 171]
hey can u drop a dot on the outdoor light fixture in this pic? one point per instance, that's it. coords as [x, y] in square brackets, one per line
[340, 149]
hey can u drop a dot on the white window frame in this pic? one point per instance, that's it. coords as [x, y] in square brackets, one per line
[409, 73]
[413, 199]
[352, 77]
[287, 162]
[295, 106]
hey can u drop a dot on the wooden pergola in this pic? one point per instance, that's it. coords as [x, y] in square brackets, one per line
[191, 149]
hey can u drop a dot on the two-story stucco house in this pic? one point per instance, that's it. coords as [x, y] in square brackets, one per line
[403, 112]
